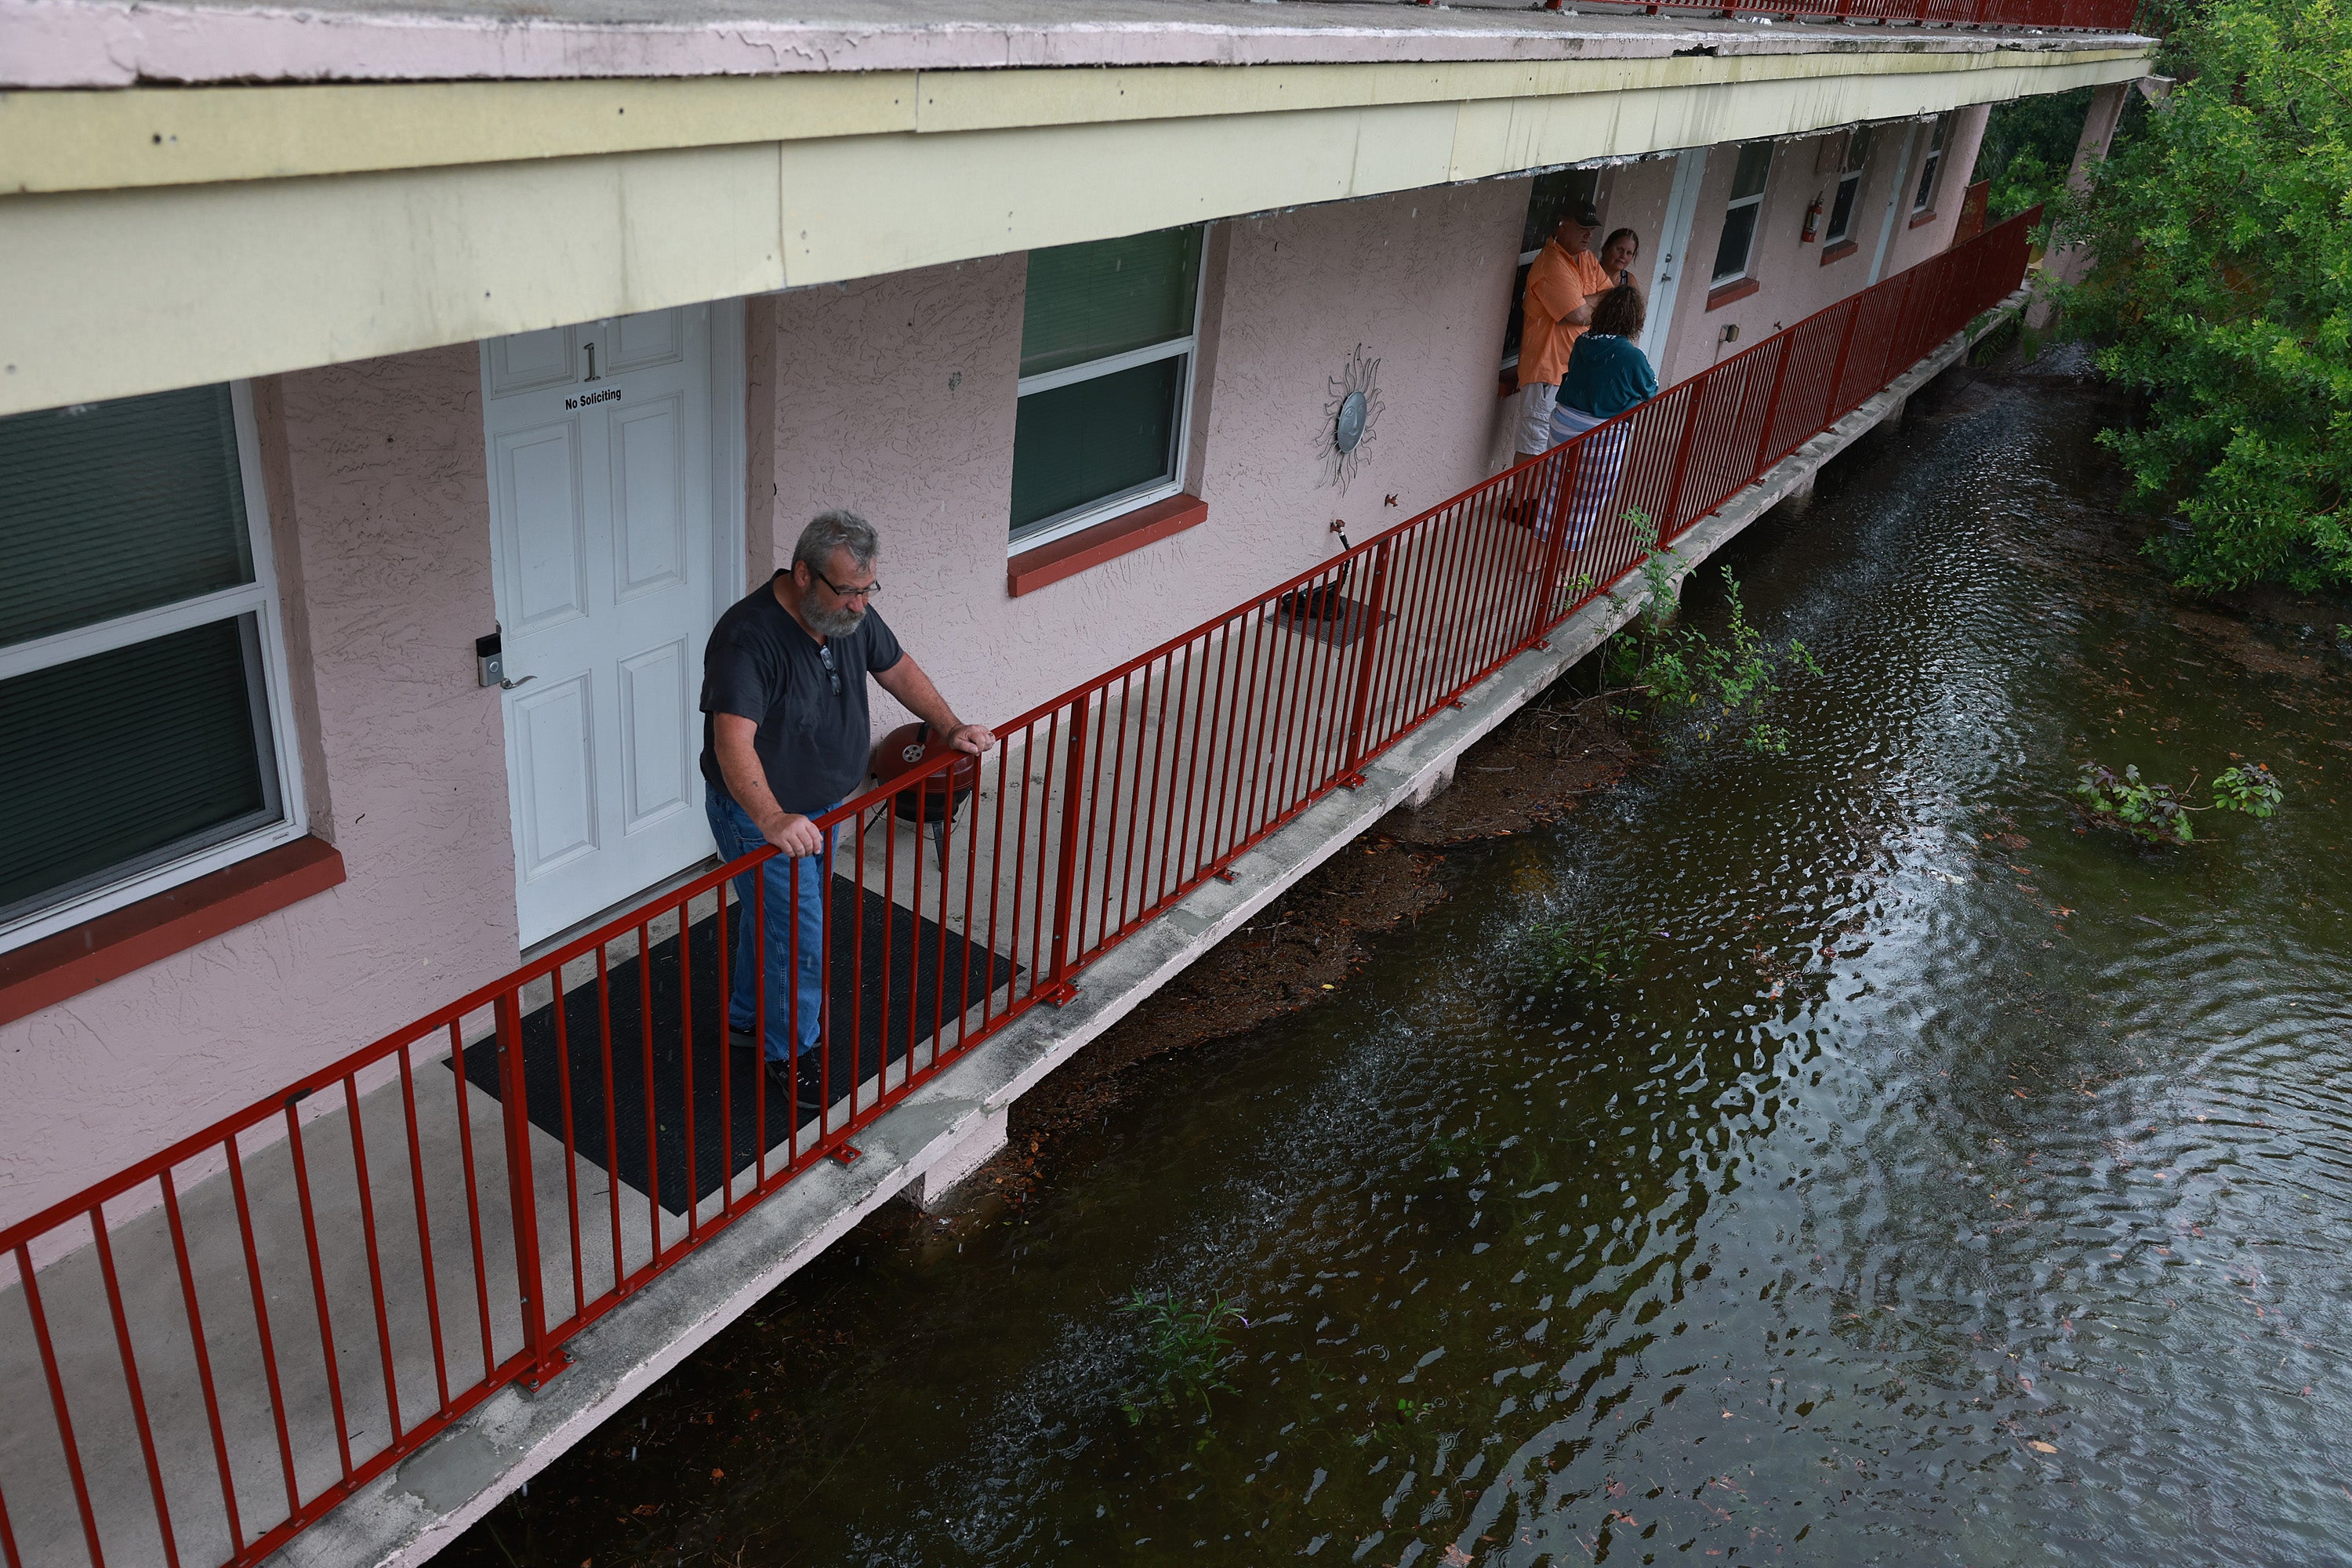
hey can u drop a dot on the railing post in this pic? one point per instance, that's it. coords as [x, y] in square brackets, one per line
[1835, 410]
[1772, 407]
[1058, 989]
[1563, 496]
[522, 1195]
[1667, 526]
[1353, 765]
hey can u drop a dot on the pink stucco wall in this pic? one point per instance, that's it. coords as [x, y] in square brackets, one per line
[384, 462]
[1795, 281]
[895, 396]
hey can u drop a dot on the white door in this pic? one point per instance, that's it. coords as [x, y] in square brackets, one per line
[600, 464]
[1673, 247]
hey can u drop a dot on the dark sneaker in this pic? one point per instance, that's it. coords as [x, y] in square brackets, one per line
[742, 1039]
[804, 1086]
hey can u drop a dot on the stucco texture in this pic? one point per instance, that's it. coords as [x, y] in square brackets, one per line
[895, 396]
[1795, 282]
[384, 462]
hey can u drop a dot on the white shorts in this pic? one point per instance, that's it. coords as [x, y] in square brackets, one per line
[1536, 404]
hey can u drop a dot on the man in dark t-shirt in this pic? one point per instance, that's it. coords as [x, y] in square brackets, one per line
[785, 740]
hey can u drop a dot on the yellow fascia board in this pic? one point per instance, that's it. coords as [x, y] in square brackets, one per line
[141, 138]
[982, 192]
[973, 100]
[146, 137]
[119, 291]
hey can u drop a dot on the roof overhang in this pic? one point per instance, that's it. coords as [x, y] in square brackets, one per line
[167, 237]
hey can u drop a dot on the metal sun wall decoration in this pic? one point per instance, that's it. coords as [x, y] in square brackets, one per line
[1349, 415]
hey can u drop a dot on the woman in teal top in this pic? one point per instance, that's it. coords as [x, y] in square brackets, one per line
[1607, 375]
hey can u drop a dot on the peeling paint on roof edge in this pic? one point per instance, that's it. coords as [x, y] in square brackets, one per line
[51, 44]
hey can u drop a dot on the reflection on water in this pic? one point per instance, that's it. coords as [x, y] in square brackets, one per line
[1947, 1184]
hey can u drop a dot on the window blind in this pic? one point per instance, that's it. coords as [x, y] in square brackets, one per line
[1090, 302]
[1553, 195]
[108, 508]
[124, 759]
[1094, 438]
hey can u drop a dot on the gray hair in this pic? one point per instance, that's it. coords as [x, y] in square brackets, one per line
[837, 530]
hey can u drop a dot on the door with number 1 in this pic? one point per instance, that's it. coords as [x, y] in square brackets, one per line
[601, 468]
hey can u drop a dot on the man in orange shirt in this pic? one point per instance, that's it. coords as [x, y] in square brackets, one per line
[1562, 285]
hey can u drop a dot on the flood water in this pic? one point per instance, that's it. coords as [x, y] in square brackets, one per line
[1941, 1183]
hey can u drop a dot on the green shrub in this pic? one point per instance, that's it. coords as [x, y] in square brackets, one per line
[1734, 679]
[2222, 289]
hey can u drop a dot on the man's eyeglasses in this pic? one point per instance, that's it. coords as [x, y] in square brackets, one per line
[867, 592]
[832, 671]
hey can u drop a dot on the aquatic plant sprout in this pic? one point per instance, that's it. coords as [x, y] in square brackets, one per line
[2154, 811]
[1184, 1353]
[1736, 676]
[2252, 789]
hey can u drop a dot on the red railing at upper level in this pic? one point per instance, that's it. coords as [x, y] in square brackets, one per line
[207, 1351]
[2083, 16]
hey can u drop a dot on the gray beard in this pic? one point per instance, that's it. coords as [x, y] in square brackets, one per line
[832, 622]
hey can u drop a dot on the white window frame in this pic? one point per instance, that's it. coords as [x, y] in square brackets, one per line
[1849, 175]
[1924, 195]
[1747, 261]
[257, 598]
[1062, 526]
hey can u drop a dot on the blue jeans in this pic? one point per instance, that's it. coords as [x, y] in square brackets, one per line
[783, 885]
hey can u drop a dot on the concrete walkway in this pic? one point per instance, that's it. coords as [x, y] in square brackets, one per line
[421, 1132]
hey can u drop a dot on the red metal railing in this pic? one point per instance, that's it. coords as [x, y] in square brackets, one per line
[208, 1352]
[2089, 16]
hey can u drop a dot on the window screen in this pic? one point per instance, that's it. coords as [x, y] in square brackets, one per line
[134, 650]
[1091, 302]
[129, 756]
[1076, 443]
[1107, 349]
[1553, 195]
[1925, 193]
[111, 507]
[1745, 205]
[1849, 187]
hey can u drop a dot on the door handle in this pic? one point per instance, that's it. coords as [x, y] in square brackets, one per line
[510, 685]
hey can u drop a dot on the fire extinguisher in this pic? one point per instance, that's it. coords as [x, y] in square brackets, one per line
[1812, 220]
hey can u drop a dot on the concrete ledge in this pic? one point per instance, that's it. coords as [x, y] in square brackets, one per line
[981, 1138]
[948, 1128]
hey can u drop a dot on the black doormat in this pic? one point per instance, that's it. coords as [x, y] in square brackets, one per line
[925, 959]
[1344, 626]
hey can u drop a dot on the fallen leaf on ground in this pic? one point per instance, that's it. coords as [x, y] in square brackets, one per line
[2039, 1447]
